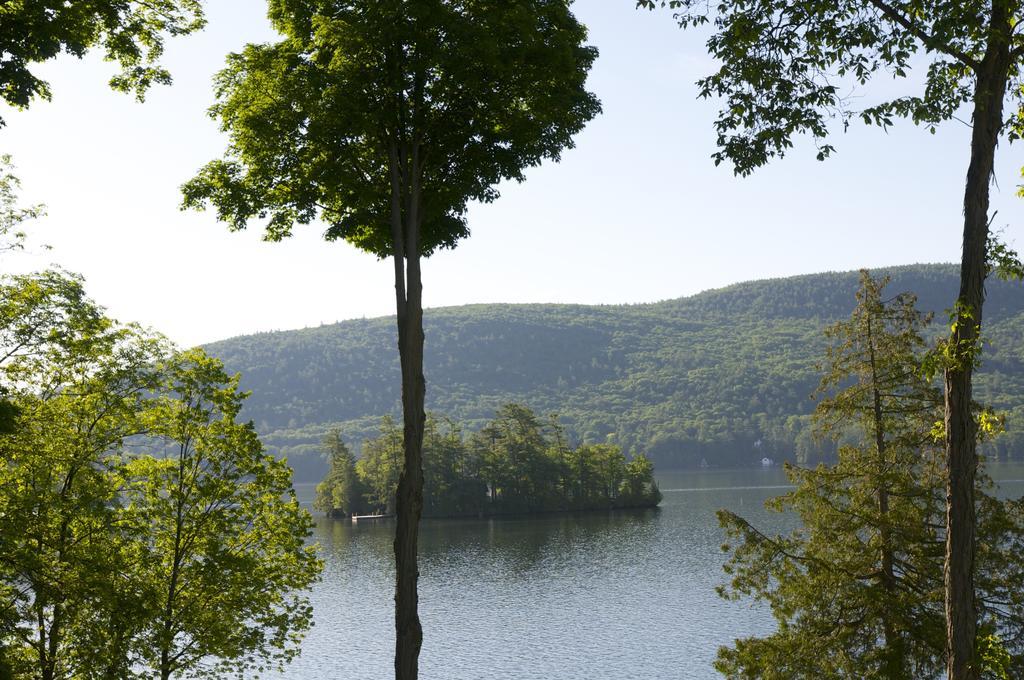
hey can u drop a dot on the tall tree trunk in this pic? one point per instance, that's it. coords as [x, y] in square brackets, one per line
[167, 639]
[895, 661]
[410, 486]
[409, 500]
[961, 429]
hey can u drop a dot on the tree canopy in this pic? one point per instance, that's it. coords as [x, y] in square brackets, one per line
[483, 90]
[130, 32]
[384, 120]
[789, 69]
[142, 527]
[857, 589]
[12, 214]
[12, 238]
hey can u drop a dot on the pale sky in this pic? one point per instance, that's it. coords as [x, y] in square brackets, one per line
[637, 212]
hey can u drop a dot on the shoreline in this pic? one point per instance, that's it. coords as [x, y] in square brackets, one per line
[515, 514]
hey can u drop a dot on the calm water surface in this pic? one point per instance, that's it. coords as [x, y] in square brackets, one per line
[602, 596]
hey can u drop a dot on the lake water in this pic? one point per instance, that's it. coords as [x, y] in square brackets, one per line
[599, 596]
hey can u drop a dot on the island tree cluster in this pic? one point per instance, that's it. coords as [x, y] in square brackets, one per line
[517, 463]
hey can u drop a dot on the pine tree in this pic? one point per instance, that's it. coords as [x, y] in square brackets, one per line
[341, 492]
[858, 590]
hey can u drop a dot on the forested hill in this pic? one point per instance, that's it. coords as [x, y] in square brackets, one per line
[702, 377]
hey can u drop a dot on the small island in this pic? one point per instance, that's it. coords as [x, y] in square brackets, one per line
[518, 463]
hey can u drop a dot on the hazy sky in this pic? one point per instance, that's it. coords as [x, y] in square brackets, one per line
[636, 213]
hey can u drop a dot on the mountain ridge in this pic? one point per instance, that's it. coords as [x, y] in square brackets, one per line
[701, 377]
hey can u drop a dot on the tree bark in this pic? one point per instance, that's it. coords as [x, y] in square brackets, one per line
[409, 499]
[176, 561]
[894, 662]
[410, 486]
[961, 429]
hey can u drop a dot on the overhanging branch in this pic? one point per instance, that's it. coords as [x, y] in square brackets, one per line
[929, 41]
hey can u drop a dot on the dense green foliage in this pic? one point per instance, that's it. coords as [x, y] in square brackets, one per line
[342, 490]
[12, 238]
[701, 377]
[144, 532]
[130, 32]
[442, 100]
[384, 120]
[788, 68]
[517, 463]
[857, 590]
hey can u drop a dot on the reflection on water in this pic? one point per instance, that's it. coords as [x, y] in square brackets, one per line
[594, 596]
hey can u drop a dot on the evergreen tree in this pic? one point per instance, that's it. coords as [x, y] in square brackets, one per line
[790, 68]
[380, 466]
[341, 491]
[451, 485]
[639, 487]
[514, 464]
[858, 590]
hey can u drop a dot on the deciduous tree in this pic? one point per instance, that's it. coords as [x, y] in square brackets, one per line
[223, 558]
[12, 214]
[130, 32]
[786, 70]
[81, 385]
[384, 120]
[114, 558]
[12, 238]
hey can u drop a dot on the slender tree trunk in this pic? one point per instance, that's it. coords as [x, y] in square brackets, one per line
[409, 499]
[55, 632]
[893, 642]
[167, 638]
[410, 486]
[5, 667]
[961, 429]
[46, 664]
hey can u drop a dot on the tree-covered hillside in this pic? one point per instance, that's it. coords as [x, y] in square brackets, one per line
[725, 375]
